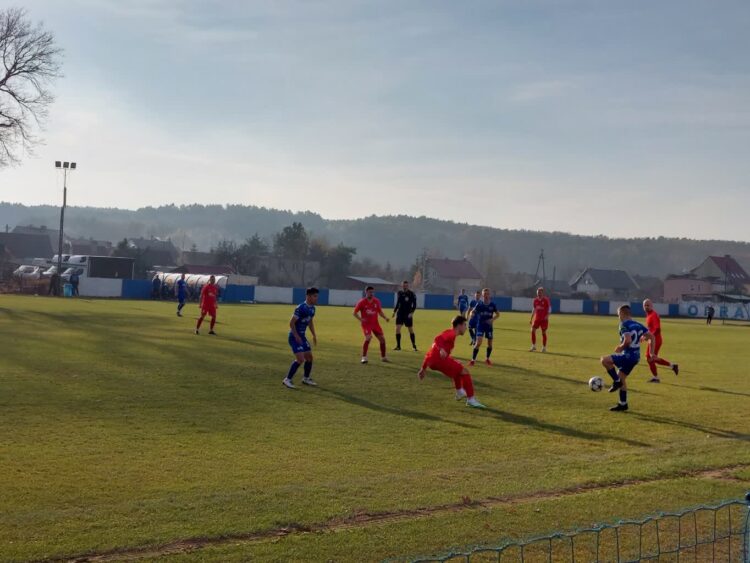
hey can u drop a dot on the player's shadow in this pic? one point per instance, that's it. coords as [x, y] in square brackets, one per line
[713, 431]
[364, 403]
[537, 424]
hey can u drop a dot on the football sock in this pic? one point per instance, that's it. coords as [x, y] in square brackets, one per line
[533, 337]
[652, 367]
[663, 362]
[473, 334]
[365, 346]
[623, 397]
[200, 322]
[468, 385]
[489, 352]
[458, 382]
[213, 322]
[413, 339]
[613, 374]
[308, 368]
[398, 340]
[544, 339]
[292, 370]
[474, 353]
[382, 349]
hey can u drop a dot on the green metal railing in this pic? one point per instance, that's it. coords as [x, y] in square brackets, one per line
[714, 533]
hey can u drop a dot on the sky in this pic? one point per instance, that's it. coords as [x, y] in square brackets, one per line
[623, 118]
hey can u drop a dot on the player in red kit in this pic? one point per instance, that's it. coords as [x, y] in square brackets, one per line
[367, 312]
[208, 304]
[653, 322]
[540, 318]
[438, 358]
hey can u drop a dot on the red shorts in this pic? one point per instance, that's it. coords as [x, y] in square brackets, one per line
[447, 366]
[540, 323]
[209, 310]
[372, 329]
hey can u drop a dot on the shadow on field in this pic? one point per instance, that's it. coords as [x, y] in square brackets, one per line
[724, 391]
[364, 403]
[713, 431]
[557, 429]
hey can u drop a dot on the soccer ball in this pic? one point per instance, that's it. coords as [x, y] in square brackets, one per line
[596, 383]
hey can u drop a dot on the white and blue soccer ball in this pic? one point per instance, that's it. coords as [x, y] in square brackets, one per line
[596, 383]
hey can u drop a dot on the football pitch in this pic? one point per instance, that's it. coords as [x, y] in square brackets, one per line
[124, 435]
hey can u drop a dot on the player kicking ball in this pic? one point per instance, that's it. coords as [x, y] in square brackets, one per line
[486, 312]
[367, 311]
[208, 305]
[438, 358]
[301, 320]
[653, 322]
[627, 355]
[540, 318]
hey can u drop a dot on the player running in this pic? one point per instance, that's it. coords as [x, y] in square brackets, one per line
[300, 321]
[462, 303]
[406, 304]
[208, 304]
[367, 311]
[180, 289]
[627, 355]
[486, 312]
[438, 358]
[653, 322]
[474, 320]
[540, 318]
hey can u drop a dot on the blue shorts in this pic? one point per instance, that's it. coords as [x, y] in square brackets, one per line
[484, 332]
[297, 347]
[181, 298]
[625, 362]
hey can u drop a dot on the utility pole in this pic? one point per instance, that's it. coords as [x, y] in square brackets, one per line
[64, 166]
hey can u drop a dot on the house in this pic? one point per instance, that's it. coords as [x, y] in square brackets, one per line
[361, 282]
[604, 284]
[53, 234]
[716, 274]
[155, 251]
[554, 288]
[22, 248]
[89, 247]
[450, 276]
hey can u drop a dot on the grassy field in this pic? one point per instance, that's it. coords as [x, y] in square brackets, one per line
[121, 430]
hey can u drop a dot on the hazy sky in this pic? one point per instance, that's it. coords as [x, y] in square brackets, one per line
[623, 117]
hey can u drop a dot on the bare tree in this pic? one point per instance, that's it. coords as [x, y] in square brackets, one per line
[30, 60]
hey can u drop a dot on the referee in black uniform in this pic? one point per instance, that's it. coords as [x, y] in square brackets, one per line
[406, 304]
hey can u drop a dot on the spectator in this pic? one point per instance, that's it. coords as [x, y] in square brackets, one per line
[710, 311]
[54, 285]
[74, 280]
[156, 287]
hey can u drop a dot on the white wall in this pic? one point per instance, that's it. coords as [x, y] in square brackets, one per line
[344, 297]
[522, 304]
[268, 294]
[100, 287]
[662, 309]
[571, 306]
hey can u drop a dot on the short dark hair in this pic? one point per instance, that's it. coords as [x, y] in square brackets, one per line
[312, 291]
[369, 287]
[625, 308]
[458, 320]
[405, 281]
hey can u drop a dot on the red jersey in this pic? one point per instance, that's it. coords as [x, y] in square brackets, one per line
[209, 295]
[653, 322]
[446, 340]
[542, 307]
[369, 311]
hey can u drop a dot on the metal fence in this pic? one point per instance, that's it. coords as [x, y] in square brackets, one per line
[718, 533]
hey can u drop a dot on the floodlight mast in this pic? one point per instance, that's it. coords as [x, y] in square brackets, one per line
[64, 166]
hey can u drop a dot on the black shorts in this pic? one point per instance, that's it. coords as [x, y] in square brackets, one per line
[405, 320]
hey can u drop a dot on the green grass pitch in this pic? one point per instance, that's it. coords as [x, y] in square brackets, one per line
[123, 433]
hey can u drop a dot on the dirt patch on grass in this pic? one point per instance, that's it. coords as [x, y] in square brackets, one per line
[363, 518]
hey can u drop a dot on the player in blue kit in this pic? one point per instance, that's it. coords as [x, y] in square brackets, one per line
[180, 289]
[300, 321]
[462, 303]
[486, 312]
[473, 321]
[627, 355]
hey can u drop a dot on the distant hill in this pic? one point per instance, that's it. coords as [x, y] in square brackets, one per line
[395, 239]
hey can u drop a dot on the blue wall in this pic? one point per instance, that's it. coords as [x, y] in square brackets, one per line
[136, 289]
[238, 293]
[387, 299]
[443, 302]
[299, 295]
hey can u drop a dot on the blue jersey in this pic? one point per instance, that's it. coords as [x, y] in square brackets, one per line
[636, 331]
[463, 302]
[485, 312]
[304, 314]
[181, 288]
[473, 320]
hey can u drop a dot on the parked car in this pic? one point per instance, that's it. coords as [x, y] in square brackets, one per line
[65, 258]
[69, 272]
[28, 272]
[49, 272]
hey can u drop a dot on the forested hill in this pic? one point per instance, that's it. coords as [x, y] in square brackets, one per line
[395, 239]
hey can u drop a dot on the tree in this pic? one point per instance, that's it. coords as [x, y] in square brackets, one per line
[337, 264]
[30, 61]
[292, 242]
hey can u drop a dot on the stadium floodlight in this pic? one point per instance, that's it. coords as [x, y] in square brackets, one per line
[64, 166]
